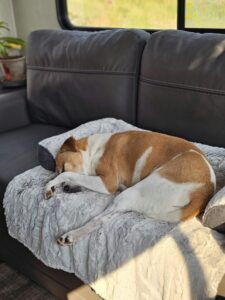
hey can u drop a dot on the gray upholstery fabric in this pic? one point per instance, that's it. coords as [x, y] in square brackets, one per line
[13, 109]
[18, 150]
[75, 77]
[182, 86]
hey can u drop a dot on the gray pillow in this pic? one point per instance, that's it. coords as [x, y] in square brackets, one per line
[214, 215]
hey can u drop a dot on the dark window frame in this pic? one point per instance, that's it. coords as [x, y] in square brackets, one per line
[64, 21]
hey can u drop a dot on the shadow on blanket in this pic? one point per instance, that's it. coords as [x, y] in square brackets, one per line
[197, 259]
[194, 268]
[185, 260]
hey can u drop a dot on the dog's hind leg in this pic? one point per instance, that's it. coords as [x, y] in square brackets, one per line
[115, 207]
[118, 205]
[73, 236]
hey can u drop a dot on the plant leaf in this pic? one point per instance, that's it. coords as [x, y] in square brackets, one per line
[3, 50]
[13, 40]
[4, 25]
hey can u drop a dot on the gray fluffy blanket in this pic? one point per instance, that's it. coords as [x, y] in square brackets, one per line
[159, 260]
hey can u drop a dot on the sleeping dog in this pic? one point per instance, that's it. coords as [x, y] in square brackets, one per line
[163, 177]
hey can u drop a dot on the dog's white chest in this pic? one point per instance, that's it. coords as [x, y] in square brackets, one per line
[96, 148]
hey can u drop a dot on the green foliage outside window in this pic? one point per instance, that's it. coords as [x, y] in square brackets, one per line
[123, 13]
[146, 14]
[205, 14]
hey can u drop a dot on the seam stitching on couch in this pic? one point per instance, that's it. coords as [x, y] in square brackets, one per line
[64, 70]
[182, 86]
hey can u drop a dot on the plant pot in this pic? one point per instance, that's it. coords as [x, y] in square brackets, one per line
[13, 71]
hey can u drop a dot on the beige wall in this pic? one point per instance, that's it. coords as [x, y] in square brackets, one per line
[34, 14]
[6, 14]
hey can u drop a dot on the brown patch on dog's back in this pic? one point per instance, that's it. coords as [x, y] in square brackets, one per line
[164, 149]
[189, 166]
[121, 153]
[124, 149]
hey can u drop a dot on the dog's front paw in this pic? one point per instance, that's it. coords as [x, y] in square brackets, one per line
[65, 239]
[49, 191]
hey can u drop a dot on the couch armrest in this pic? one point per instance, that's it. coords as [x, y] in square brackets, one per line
[13, 109]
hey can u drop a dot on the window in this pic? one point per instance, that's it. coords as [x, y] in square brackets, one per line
[128, 13]
[190, 15]
[205, 14]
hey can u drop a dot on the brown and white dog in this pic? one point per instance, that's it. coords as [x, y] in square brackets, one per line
[164, 177]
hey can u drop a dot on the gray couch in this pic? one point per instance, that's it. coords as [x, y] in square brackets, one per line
[170, 81]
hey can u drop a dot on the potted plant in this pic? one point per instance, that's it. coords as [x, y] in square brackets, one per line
[12, 61]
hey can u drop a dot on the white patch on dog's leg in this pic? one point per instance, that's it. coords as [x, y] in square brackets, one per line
[93, 183]
[74, 235]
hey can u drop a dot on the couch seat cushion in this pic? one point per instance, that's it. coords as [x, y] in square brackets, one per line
[18, 150]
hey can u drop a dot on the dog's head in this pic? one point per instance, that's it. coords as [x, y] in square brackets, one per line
[69, 158]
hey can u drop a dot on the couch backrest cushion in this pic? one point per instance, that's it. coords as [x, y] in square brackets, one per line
[182, 86]
[77, 76]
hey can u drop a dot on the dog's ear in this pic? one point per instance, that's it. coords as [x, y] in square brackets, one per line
[69, 145]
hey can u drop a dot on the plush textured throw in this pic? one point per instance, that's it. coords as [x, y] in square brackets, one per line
[129, 256]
